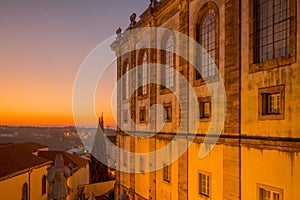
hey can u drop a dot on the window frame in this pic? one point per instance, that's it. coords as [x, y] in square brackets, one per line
[271, 189]
[143, 62]
[167, 173]
[263, 101]
[124, 155]
[164, 55]
[166, 107]
[44, 185]
[204, 11]
[126, 82]
[143, 108]
[201, 101]
[208, 194]
[125, 116]
[25, 191]
[255, 66]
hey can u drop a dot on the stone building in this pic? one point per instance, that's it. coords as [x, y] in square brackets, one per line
[255, 46]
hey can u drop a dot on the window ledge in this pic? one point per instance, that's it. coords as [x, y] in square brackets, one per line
[272, 63]
[204, 119]
[202, 81]
[143, 96]
[202, 196]
[165, 91]
[271, 117]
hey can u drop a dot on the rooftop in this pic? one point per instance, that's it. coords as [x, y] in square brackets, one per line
[69, 159]
[14, 162]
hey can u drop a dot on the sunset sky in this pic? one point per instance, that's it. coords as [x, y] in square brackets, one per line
[43, 44]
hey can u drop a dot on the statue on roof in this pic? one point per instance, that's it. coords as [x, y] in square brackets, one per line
[57, 177]
[132, 20]
[92, 196]
[124, 196]
[119, 32]
[153, 3]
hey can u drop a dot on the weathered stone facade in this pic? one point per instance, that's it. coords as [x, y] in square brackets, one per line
[251, 154]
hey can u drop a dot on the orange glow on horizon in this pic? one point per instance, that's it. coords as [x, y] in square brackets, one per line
[33, 105]
[24, 119]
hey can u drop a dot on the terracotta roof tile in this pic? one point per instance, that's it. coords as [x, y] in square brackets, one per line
[74, 160]
[13, 161]
[5, 144]
[29, 147]
[26, 147]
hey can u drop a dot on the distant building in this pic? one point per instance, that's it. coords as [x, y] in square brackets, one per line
[255, 46]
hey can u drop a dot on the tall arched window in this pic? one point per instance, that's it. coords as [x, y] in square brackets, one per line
[125, 91]
[167, 73]
[127, 81]
[25, 191]
[44, 185]
[207, 36]
[143, 74]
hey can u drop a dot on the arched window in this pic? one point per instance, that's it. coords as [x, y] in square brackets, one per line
[44, 185]
[167, 73]
[143, 74]
[25, 191]
[127, 81]
[125, 91]
[207, 36]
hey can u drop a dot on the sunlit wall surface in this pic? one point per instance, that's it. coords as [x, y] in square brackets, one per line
[254, 45]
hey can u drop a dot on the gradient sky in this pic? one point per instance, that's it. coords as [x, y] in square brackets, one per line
[42, 45]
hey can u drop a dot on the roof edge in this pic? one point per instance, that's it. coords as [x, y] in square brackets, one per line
[11, 175]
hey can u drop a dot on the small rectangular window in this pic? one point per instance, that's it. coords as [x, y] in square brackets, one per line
[44, 185]
[168, 112]
[167, 173]
[142, 114]
[124, 154]
[204, 108]
[204, 184]
[271, 103]
[266, 192]
[125, 116]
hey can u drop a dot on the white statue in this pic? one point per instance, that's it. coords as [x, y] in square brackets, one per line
[57, 177]
[92, 196]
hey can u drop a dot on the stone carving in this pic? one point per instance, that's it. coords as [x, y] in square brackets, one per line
[57, 177]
